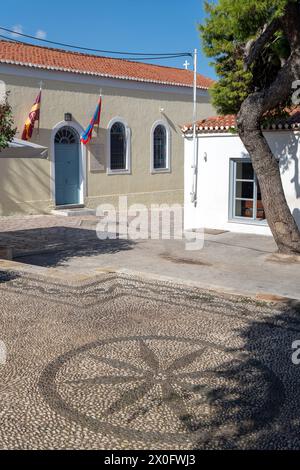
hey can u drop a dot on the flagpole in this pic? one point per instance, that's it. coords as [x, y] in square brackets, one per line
[194, 166]
[38, 129]
[100, 97]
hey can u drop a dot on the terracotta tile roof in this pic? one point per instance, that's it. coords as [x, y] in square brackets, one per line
[213, 123]
[225, 123]
[57, 59]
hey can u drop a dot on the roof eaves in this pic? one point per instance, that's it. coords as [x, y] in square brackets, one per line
[224, 129]
[97, 74]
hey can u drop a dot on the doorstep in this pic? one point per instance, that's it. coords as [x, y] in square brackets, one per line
[73, 211]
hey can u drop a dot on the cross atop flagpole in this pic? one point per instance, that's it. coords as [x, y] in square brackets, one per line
[186, 65]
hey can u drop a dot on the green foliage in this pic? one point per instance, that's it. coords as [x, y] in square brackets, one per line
[229, 92]
[7, 131]
[229, 25]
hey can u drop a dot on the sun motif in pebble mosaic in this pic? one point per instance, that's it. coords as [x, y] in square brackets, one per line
[159, 388]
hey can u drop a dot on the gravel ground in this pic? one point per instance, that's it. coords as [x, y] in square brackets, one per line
[119, 362]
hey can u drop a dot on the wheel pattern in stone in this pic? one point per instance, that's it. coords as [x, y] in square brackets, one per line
[166, 389]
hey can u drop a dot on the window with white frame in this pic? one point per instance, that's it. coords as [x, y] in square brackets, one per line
[160, 147]
[119, 147]
[245, 197]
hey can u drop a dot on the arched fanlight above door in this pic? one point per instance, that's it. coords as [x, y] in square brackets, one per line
[66, 135]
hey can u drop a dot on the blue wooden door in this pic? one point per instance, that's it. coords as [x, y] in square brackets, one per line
[67, 180]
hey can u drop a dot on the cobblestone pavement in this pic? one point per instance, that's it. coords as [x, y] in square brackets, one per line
[46, 233]
[118, 362]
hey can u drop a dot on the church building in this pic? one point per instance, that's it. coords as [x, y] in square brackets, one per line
[137, 150]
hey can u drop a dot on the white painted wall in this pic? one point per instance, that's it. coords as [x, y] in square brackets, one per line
[213, 182]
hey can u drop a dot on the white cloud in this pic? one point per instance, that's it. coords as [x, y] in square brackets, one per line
[40, 34]
[18, 28]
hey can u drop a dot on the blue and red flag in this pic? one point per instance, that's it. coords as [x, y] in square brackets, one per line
[87, 135]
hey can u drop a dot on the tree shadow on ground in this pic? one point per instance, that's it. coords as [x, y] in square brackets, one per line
[253, 394]
[6, 276]
[52, 246]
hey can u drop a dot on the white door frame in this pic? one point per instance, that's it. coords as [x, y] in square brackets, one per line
[82, 160]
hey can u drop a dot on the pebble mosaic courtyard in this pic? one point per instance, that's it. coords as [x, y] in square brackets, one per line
[120, 362]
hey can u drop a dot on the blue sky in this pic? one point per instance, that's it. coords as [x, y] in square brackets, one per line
[133, 25]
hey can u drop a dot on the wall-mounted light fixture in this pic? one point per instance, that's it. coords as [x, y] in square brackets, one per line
[68, 117]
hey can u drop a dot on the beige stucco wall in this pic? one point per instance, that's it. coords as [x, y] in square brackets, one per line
[25, 183]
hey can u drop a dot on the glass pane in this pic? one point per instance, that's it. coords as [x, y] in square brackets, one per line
[260, 213]
[244, 171]
[244, 209]
[118, 147]
[160, 147]
[67, 136]
[244, 189]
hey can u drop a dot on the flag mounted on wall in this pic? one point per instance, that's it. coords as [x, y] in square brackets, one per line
[87, 135]
[33, 116]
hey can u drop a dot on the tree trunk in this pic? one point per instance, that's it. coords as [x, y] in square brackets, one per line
[281, 222]
[255, 106]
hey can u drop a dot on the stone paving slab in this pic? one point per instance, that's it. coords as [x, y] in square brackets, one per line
[122, 362]
[229, 262]
[37, 234]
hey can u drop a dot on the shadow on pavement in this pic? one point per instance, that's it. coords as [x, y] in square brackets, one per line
[53, 246]
[254, 398]
[7, 276]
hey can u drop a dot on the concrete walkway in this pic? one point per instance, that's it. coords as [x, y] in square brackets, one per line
[229, 262]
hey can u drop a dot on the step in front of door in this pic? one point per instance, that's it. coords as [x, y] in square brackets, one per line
[73, 212]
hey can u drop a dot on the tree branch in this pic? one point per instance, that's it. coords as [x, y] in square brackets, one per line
[259, 103]
[254, 47]
[290, 24]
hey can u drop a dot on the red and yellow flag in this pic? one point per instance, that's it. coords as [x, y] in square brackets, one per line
[33, 116]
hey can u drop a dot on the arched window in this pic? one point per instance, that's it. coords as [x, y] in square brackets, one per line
[119, 145]
[160, 137]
